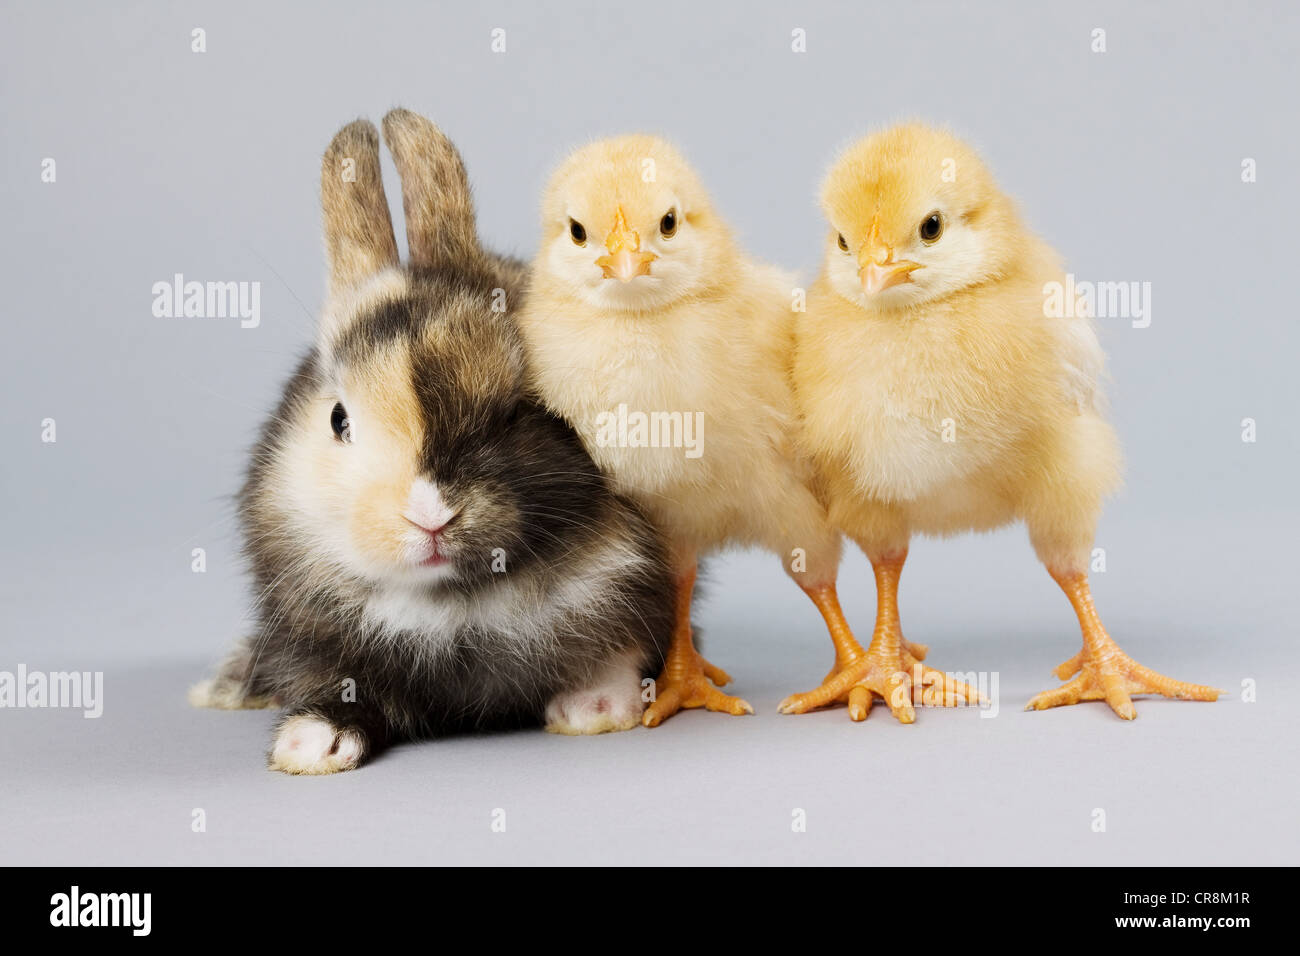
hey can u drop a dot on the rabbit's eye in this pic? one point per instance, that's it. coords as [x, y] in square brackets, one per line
[577, 232]
[341, 424]
[843, 243]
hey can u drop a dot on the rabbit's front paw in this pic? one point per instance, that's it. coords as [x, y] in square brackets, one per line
[307, 744]
[612, 703]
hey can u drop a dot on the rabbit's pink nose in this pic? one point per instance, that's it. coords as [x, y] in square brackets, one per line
[425, 508]
[433, 532]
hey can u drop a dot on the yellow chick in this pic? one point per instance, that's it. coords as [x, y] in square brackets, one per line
[669, 352]
[938, 396]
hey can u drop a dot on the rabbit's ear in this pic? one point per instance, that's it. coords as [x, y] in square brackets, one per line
[440, 227]
[358, 228]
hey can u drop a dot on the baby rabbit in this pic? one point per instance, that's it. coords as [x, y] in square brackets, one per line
[433, 550]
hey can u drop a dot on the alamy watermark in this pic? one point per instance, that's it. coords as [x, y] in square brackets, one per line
[82, 690]
[928, 689]
[623, 428]
[179, 299]
[75, 908]
[1102, 300]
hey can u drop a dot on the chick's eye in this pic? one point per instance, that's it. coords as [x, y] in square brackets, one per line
[341, 424]
[931, 227]
[844, 243]
[577, 232]
[668, 224]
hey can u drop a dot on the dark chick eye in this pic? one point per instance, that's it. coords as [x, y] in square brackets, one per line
[931, 227]
[668, 224]
[844, 243]
[340, 423]
[577, 232]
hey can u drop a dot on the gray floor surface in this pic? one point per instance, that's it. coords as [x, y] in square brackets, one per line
[1187, 783]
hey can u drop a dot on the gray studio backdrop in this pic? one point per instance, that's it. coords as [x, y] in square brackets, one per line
[168, 161]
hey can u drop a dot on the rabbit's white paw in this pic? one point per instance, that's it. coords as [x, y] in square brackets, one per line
[312, 745]
[612, 702]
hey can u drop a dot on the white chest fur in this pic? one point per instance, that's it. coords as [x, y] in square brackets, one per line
[522, 608]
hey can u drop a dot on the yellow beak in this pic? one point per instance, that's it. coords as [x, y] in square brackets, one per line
[878, 268]
[879, 276]
[625, 260]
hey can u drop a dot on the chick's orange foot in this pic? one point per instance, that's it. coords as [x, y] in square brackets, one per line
[689, 684]
[892, 674]
[1107, 673]
[1101, 671]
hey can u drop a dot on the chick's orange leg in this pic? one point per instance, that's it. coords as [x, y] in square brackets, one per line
[1104, 672]
[688, 680]
[889, 668]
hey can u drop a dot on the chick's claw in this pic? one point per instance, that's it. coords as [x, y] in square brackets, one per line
[1068, 669]
[714, 673]
[689, 687]
[871, 674]
[1111, 675]
[934, 688]
[900, 681]
[859, 703]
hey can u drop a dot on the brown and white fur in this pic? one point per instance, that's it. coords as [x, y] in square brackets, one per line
[433, 549]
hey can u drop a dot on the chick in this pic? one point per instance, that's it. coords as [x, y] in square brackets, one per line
[643, 309]
[938, 396]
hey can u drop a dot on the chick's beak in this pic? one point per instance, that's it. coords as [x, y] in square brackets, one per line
[625, 260]
[879, 269]
[879, 276]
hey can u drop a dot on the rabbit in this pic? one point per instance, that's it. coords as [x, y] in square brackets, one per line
[433, 550]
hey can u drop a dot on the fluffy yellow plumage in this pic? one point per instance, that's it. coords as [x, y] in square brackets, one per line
[641, 299]
[939, 397]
